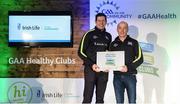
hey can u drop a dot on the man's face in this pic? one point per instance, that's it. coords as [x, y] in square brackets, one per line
[122, 29]
[101, 22]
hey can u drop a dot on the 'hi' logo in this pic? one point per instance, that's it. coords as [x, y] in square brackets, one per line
[20, 92]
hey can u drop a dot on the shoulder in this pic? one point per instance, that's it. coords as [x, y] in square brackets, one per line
[114, 43]
[88, 33]
[133, 40]
[108, 34]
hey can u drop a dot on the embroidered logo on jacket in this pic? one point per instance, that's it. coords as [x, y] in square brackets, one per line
[107, 37]
[100, 44]
[95, 37]
[130, 43]
[115, 45]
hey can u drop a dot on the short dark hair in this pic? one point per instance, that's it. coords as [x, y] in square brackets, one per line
[101, 14]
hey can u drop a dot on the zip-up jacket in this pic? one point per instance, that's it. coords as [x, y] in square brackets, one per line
[92, 42]
[133, 53]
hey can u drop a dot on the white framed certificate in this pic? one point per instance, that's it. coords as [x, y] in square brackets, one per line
[112, 60]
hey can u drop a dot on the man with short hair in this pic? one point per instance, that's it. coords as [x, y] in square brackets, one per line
[92, 42]
[125, 78]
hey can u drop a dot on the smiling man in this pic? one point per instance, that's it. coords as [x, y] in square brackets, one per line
[92, 42]
[125, 78]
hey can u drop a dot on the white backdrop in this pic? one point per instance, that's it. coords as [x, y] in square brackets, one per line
[158, 78]
[156, 25]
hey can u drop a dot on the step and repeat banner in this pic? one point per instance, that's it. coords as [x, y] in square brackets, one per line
[41, 90]
[155, 24]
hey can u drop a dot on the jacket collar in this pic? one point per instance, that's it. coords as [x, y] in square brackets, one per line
[117, 38]
[99, 29]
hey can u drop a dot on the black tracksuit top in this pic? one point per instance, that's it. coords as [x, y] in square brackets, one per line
[92, 42]
[133, 53]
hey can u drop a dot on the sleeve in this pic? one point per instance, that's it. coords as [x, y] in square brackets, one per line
[138, 57]
[82, 50]
[109, 44]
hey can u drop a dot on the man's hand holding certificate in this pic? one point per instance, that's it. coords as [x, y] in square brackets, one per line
[111, 60]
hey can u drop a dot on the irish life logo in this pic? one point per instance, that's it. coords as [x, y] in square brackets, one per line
[19, 26]
[20, 92]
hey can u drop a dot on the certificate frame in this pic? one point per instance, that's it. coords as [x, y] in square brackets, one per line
[110, 60]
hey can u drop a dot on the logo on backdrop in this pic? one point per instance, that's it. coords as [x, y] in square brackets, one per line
[27, 27]
[44, 60]
[20, 92]
[148, 63]
[19, 26]
[112, 11]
